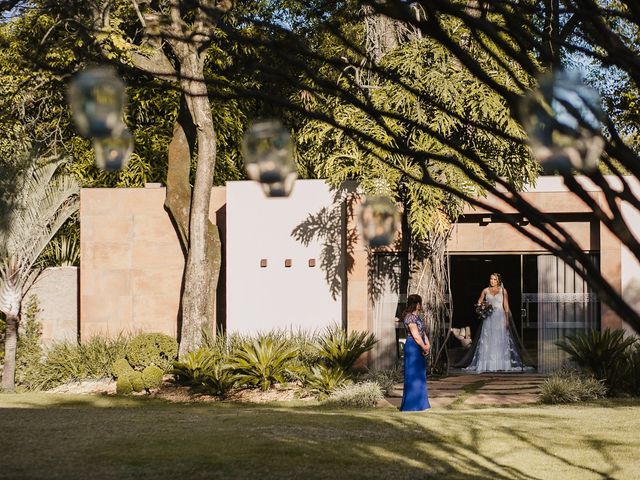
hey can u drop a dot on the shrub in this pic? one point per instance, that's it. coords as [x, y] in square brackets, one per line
[94, 358]
[359, 395]
[263, 361]
[220, 380]
[631, 375]
[123, 385]
[152, 377]
[205, 371]
[339, 349]
[569, 387]
[193, 369]
[137, 381]
[152, 348]
[306, 345]
[387, 379]
[602, 354]
[322, 380]
[99, 353]
[121, 368]
[29, 353]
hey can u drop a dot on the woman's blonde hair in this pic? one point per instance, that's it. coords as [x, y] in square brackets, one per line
[498, 276]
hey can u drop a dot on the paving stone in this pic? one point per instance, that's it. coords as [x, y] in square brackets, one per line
[505, 399]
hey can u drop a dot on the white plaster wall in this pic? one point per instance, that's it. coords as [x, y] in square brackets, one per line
[275, 297]
[630, 268]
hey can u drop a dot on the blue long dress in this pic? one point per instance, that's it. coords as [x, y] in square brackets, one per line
[415, 396]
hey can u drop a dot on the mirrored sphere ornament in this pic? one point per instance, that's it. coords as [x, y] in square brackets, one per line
[280, 189]
[563, 119]
[113, 153]
[97, 98]
[268, 157]
[379, 218]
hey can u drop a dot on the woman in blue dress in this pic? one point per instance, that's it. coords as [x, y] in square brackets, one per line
[415, 396]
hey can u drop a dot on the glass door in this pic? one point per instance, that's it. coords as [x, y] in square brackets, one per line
[561, 305]
[385, 286]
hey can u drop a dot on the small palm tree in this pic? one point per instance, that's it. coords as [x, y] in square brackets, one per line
[44, 199]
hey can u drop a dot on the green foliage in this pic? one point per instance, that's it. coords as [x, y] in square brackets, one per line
[263, 361]
[322, 380]
[121, 367]
[94, 358]
[569, 386]
[152, 377]
[631, 375]
[137, 381]
[602, 354]
[205, 371]
[359, 395]
[62, 251]
[427, 105]
[387, 379]
[29, 352]
[152, 348]
[305, 344]
[339, 349]
[123, 385]
[193, 369]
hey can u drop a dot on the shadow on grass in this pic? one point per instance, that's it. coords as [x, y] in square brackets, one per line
[58, 436]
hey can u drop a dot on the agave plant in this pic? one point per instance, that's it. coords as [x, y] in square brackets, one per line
[323, 380]
[600, 353]
[43, 201]
[205, 371]
[264, 361]
[341, 349]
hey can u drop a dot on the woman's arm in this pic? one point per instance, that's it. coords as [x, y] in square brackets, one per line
[505, 305]
[481, 298]
[415, 334]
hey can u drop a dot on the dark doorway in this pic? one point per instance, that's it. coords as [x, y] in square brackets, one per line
[470, 274]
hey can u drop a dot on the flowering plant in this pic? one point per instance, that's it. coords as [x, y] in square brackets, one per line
[483, 310]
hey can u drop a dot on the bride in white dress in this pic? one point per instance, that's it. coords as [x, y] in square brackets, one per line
[496, 349]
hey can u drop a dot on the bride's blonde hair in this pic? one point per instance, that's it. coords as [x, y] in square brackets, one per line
[498, 276]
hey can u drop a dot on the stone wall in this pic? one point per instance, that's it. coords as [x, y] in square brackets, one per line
[57, 292]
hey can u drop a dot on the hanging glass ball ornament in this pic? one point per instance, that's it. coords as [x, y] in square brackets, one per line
[379, 219]
[268, 157]
[97, 98]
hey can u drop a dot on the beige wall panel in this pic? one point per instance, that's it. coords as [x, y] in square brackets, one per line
[106, 256]
[57, 293]
[611, 269]
[146, 254]
[131, 262]
[502, 237]
[151, 313]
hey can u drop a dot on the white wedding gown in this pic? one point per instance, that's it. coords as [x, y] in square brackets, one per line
[496, 350]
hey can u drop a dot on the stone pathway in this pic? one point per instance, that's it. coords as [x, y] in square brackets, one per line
[481, 389]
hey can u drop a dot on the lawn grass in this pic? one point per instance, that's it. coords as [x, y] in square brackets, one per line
[50, 436]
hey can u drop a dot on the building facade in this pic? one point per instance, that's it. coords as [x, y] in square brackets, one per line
[299, 263]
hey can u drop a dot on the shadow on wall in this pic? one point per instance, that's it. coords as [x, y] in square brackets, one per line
[329, 228]
[384, 276]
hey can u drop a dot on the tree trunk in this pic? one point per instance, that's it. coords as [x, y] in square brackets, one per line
[178, 196]
[204, 256]
[430, 280]
[10, 345]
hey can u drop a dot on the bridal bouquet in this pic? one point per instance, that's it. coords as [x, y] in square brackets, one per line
[483, 310]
